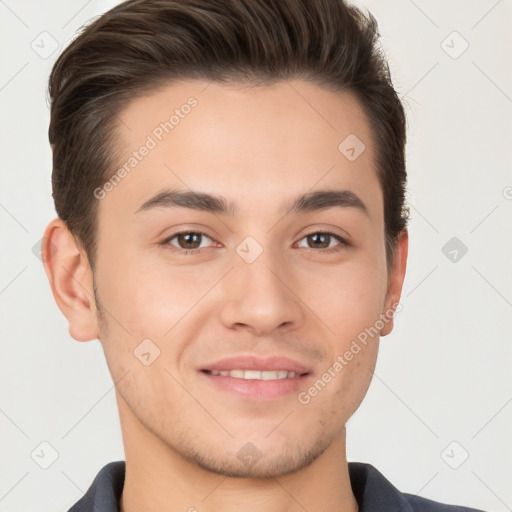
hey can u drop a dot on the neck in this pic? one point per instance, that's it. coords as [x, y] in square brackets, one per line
[157, 478]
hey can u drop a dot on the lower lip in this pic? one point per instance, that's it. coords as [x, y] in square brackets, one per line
[258, 389]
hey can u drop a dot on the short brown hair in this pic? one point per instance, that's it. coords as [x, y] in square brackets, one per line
[143, 44]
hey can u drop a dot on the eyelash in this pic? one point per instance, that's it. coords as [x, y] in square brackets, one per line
[186, 252]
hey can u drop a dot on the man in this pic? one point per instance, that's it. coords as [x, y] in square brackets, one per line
[229, 179]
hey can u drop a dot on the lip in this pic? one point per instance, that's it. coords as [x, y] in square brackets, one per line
[253, 389]
[257, 390]
[272, 363]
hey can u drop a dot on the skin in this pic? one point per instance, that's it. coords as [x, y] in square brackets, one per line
[260, 148]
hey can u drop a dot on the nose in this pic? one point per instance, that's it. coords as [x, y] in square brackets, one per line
[259, 297]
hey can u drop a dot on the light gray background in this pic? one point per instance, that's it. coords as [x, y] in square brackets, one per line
[443, 375]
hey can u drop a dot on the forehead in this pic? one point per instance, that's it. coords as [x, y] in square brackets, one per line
[261, 142]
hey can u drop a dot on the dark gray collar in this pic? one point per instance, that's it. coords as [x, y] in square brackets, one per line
[373, 492]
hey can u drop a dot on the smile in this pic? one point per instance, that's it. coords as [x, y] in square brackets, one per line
[254, 374]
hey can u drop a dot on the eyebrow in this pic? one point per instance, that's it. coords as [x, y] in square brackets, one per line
[313, 201]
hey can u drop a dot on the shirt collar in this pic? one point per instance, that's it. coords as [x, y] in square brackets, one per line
[373, 492]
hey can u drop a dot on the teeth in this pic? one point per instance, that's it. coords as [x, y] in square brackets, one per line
[255, 374]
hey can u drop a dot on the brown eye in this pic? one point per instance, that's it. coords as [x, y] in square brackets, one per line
[322, 240]
[187, 240]
[319, 240]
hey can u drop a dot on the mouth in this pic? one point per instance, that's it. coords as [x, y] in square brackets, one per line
[255, 374]
[252, 378]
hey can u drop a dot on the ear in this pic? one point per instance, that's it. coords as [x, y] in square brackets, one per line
[395, 280]
[71, 280]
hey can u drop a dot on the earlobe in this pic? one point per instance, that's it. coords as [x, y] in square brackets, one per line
[396, 280]
[70, 277]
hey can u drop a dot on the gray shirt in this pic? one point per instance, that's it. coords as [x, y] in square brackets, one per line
[371, 489]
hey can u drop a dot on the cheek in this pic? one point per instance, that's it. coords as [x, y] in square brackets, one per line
[357, 377]
[146, 299]
[347, 298]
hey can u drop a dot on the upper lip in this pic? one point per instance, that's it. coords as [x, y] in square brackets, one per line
[248, 362]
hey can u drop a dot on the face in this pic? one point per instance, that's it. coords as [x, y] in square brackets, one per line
[209, 261]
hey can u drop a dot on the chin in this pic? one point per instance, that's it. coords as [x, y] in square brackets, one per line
[251, 462]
